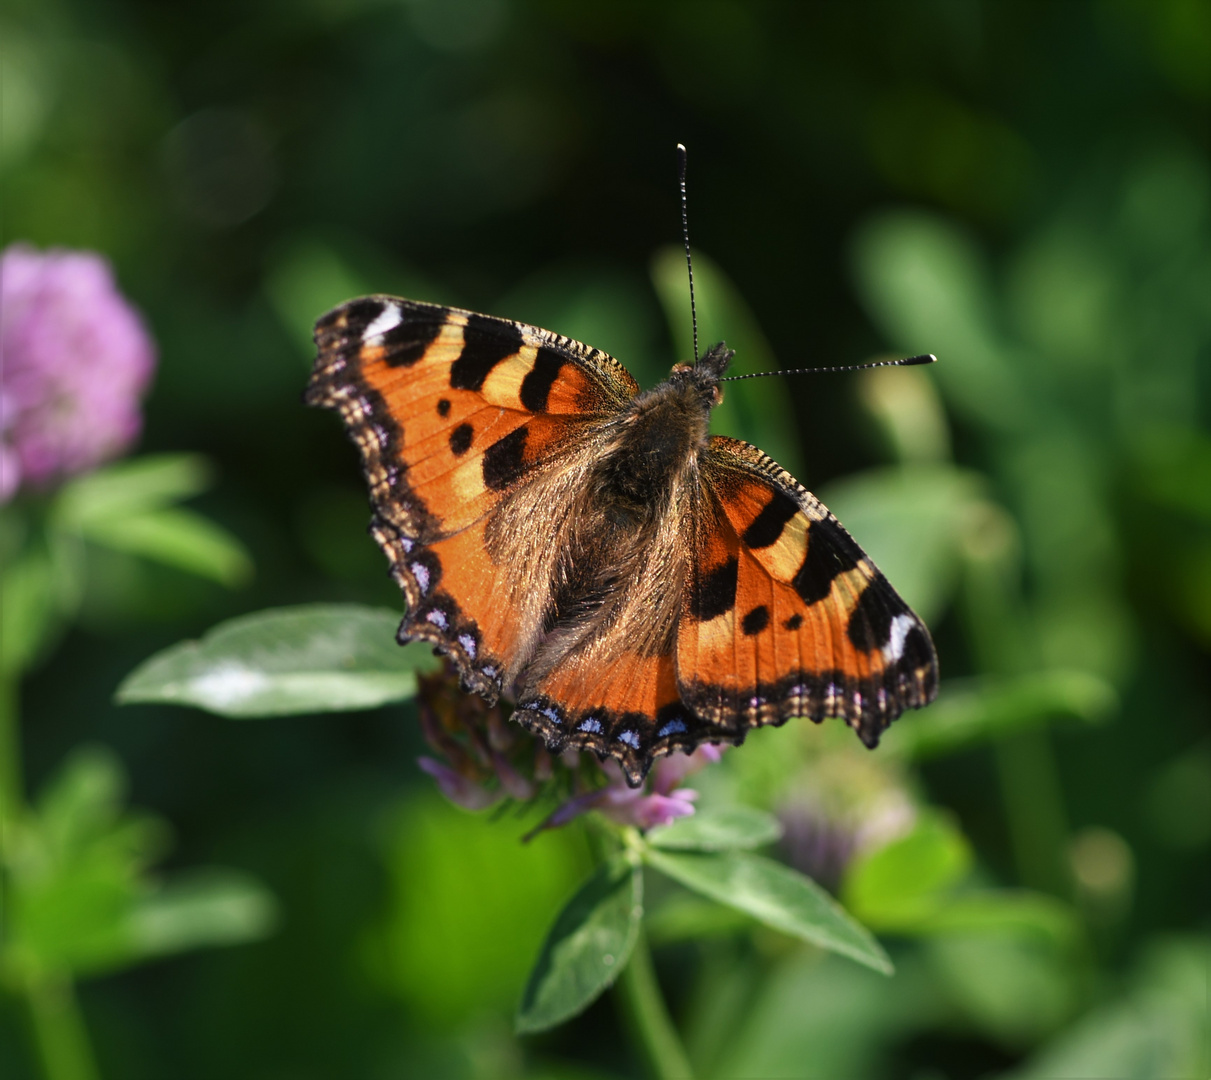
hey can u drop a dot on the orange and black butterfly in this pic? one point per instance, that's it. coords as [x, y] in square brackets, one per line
[586, 548]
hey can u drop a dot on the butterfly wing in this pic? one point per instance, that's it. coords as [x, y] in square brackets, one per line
[474, 432]
[785, 615]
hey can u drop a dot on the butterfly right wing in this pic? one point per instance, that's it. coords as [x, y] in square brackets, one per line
[785, 615]
[474, 434]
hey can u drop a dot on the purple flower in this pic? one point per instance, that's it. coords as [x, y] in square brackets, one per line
[481, 758]
[844, 804]
[640, 807]
[75, 358]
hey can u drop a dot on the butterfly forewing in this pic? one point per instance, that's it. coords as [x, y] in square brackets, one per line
[456, 413]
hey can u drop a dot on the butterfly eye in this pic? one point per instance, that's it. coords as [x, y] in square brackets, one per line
[681, 369]
[716, 395]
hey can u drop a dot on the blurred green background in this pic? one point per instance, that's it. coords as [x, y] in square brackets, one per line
[1021, 188]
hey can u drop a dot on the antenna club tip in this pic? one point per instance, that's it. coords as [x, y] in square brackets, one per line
[681, 148]
[924, 358]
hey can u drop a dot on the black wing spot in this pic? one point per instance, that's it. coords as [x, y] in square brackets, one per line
[767, 526]
[486, 342]
[794, 622]
[504, 460]
[357, 314]
[536, 386]
[406, 343]
[443, 407]
[755, 621]
[460, 439]
[870, 621]
[831, 551]
[918, 651]
[716, 594]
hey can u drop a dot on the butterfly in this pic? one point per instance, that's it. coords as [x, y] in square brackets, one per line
[636, 585]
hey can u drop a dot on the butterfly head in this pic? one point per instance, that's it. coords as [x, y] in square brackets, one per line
[706, 373]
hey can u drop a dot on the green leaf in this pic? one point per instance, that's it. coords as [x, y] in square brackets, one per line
[138, 484]
[586, 949]
[127, 507]
[286, 661]
[977, 710]
[80, 900]
[198, 909]
[929, 289]
[1156, 1029]
[775, 895]
[718, 830]
[902, 883]
[1012, 988]
[1015, 912]
[687, 917]
[179, 538]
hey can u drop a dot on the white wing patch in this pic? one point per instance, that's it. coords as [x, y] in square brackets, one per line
[896, 636]
[388, 319]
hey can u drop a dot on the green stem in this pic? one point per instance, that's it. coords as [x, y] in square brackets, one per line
[648, 1017]
[1002, 638]
[1034, 810]
[59, 1032]
[60, 1037]
[10, 762]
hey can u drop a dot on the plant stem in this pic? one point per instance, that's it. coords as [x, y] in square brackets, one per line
[648, 1017]
[59, 1032]
[10, 762]
[1034, 808]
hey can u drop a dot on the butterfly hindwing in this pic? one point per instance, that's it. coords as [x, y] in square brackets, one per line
[785, 615]
[454, 413]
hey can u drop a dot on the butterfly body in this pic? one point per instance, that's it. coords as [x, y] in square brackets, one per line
[634, 584]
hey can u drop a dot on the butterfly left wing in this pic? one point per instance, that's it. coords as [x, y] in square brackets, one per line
[785, 615]
[473, 432]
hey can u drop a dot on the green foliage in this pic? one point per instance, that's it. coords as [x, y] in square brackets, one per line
[757, 410]
[718, 829]
[903, 882]
[1156, 1030]
[1042, 495]
[775, 895]
[977, 710]
[313, 658]
[587, 947]
[459, 934]
[80, 899]
[128, 507]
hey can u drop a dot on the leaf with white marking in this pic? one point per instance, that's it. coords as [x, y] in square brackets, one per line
[286, 661]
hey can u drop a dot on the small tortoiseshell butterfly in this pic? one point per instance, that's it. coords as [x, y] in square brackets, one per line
[634, 584]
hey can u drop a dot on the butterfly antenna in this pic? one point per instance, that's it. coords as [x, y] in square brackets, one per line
[685, 232]
[924, 358]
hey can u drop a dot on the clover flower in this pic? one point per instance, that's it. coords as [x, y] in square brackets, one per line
[484, 759]
[844, 803]
[75, 359]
